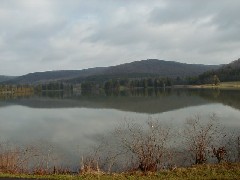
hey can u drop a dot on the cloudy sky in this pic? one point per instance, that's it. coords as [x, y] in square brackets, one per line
[40, 35]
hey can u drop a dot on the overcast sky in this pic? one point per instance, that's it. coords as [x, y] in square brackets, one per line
[40, 35]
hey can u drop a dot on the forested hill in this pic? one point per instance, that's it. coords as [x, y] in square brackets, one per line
[228, 72]
[47, 76]
[6, 78]
[160, 68]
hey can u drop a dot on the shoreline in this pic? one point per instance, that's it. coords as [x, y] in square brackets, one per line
[223, 85]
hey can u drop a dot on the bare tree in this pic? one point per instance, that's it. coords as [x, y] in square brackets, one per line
[147, 144]
[233, 147]
[238, 149]
[14, 158]
[201, 137]
[220, 153]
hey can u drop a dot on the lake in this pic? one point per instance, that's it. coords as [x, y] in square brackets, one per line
[72, 124]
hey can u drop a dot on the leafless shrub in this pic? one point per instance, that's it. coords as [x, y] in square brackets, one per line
[44, 159]
[9, 158]
[200, 137]
[238, 149]
[220, 153]
[90, 166]
[233, 147]
[147, 145]
[27, 159]
[14, 159]
[61, 170]
[91, 162]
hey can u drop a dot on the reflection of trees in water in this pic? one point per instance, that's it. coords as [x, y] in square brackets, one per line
[5, 97]
[140, 92]
[53, 94]
[210, 94]
[139, 100]
[226, 97]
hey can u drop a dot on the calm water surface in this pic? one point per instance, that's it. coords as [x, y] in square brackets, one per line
[72, 124]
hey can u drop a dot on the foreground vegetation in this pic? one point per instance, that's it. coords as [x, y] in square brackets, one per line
[202, 150]
[206, 171]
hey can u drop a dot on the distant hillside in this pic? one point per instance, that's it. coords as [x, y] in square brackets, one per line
[151, 67]
[43, 77]
[6, 78]
[228, 72]
[159, 67]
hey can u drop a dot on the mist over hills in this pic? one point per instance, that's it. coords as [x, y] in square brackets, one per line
[156, 67]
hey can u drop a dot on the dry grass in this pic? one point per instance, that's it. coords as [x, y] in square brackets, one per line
[207, 171]
[222, 85]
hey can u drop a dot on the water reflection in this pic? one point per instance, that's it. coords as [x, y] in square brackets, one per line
[142, 101]
[74, 123]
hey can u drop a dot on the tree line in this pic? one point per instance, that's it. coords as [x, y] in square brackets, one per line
[15, 88]
[53, 86]
[116, 84]
[151, 82]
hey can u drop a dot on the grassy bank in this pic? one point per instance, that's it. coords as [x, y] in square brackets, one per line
[222, 85]
[216, 171]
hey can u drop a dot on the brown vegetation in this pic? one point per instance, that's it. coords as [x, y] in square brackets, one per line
[200, 136]
[148, 146]
[138, 148]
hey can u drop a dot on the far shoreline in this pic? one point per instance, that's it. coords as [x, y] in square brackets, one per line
[224, 85]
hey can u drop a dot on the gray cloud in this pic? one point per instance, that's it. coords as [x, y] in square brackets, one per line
[49, 35]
